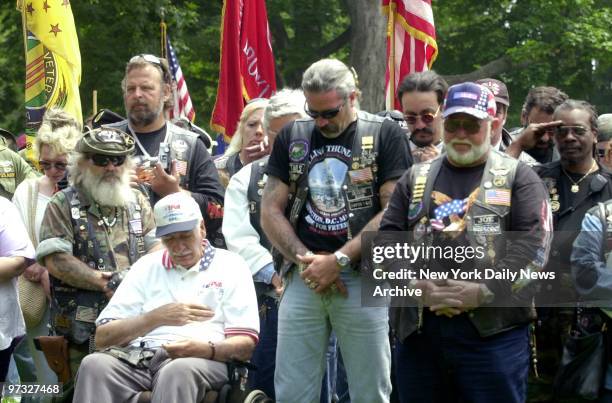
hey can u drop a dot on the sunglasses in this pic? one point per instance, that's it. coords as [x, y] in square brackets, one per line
[327, 114]
[426, 117]
[155, 61]
[46, 165]
[470, 126]
[103, 160]
[563, 131]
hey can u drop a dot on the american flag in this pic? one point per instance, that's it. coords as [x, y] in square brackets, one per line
[456, 206]
[182, 101]
[411, 42]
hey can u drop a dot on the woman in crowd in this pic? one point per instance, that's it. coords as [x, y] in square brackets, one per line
[248, 143]
[55, 140]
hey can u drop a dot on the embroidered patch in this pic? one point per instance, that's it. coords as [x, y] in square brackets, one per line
[298, 150]
[500, 197]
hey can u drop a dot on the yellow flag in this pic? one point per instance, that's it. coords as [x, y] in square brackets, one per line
[53, 59]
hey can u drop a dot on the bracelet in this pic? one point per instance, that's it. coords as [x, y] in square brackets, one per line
[212, 347]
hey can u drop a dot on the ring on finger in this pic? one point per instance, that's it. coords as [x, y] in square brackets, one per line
[307, 281]
[313, 285]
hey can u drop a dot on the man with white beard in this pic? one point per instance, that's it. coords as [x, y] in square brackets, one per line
[468, 340]
[91, 233]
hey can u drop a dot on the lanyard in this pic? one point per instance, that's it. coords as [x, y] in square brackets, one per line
[139, 144]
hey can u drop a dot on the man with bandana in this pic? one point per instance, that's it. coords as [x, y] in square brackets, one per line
[91, 233]
[456, 343]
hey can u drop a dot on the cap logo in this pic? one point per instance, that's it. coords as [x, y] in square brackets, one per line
[107, 136]
[463, 94]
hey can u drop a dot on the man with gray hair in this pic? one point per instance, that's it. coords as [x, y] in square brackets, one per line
[329, 178]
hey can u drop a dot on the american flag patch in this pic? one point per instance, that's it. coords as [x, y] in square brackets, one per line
[181, 167]
[500, 197]
[361, 175]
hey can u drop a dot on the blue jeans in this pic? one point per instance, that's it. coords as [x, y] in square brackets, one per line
[449, 362]
[305, 322]
[264, 356]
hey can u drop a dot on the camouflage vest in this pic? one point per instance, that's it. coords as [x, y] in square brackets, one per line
[74, 310]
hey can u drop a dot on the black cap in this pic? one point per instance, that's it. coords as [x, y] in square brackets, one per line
[105, 117]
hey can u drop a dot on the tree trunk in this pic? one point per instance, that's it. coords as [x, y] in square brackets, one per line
[368, 51]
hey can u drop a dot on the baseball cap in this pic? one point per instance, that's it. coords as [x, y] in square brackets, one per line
[106, 141]
[176, 212]
[498, 88]
[470, 98]
[604, 124]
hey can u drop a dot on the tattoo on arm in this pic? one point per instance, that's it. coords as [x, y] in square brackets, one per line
[72, 271]
[276, 226]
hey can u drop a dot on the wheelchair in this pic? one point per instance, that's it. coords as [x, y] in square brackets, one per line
[234, 391]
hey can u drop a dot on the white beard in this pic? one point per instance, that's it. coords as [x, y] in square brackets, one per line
[470, 157]
[110, 193]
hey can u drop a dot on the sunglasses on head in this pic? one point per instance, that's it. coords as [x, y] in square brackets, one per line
[563, 131]
[470, 126]
[103, 160]
[155, 61]
[46, 165]
[327, 114]
[426, 117]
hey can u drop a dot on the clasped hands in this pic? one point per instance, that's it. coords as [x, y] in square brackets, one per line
[322, 273]
[449, 297]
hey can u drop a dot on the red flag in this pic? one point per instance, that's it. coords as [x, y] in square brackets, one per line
[411, 42]
[247, 63]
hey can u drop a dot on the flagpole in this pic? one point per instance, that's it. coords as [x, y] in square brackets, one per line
[391, 61]
[94, 99]
[162, 26]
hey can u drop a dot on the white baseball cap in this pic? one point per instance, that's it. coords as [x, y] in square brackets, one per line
[176, 212]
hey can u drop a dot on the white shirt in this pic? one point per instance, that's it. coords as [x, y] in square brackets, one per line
[225, 287]
[14, 241]
[240, 236]
[21, 200]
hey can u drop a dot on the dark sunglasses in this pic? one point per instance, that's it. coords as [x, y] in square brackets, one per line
[46, 165]
[563, 131]
[470, 126]
[327, 114]
[103, 160]
[426, 117]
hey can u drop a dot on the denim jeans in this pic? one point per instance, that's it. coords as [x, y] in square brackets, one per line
[305, 322]
[449, 362]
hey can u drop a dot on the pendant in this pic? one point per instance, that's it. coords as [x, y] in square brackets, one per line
[575, 188]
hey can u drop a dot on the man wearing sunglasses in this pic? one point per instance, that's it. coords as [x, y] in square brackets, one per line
[455, 343]
[147, 94]
[421, 96]
[575, 184]
[536, 136]
[332, 174]
[91, 233]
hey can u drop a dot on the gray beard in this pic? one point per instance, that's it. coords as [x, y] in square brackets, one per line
[109, 193]
[146, 117]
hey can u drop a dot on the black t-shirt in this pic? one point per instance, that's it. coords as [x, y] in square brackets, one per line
[150, 141]
[453, 187]
[323, 222]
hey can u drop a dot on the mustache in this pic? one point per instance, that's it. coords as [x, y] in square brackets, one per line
[426, 130]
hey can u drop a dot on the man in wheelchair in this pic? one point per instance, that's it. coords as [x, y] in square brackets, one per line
[177, 317]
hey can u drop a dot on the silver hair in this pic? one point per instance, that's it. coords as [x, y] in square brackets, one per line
[328, 75]
[283, 103]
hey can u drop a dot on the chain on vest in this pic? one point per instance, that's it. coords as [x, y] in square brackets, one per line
[75, 310]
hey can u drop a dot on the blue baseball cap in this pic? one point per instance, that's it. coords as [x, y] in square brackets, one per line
[470, 98]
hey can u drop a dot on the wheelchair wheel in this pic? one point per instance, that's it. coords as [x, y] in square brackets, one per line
[257, 396]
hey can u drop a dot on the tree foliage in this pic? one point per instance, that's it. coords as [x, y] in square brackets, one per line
[565, 43]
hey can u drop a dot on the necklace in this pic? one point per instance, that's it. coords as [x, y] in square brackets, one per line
[575, 188]
[109, 222]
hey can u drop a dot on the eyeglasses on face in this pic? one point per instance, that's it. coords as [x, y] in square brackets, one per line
[426, 117]
[326, 114]
[563, 131]
[103, 160]
[470, 126]
[47, 165]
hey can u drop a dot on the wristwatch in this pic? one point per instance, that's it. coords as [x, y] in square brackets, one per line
[342, 260]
